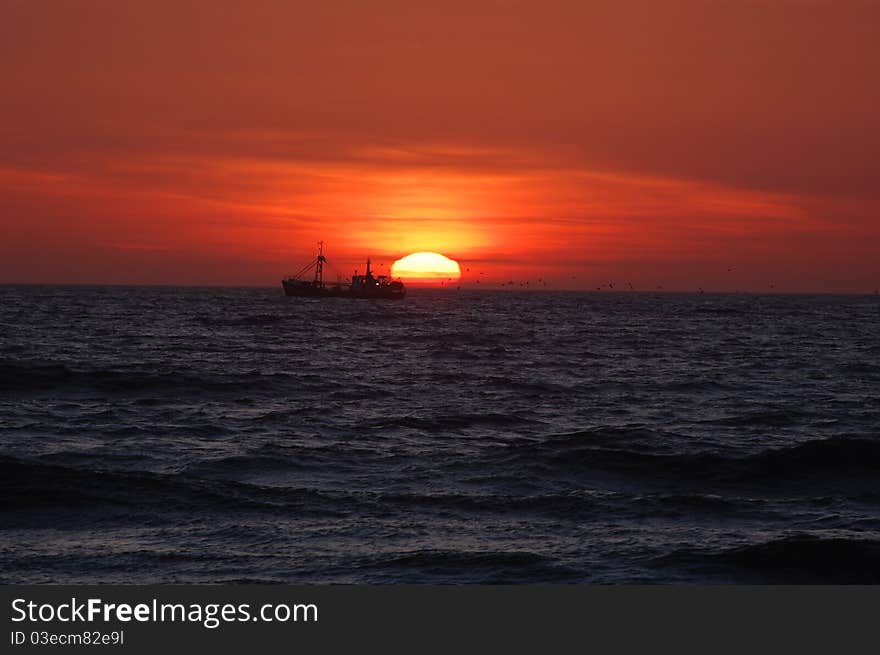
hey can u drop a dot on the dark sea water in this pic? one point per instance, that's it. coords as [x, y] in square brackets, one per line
[216, 435]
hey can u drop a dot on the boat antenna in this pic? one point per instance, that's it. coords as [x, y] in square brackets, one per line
[319, 268]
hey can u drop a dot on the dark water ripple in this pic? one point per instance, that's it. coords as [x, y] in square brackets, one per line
[210, 435]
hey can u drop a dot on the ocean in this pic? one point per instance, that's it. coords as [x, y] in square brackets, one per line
[211, 435]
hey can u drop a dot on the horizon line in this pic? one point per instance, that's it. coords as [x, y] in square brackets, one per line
[455, 288]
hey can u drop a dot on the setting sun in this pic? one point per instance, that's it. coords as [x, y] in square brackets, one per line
[426, 268]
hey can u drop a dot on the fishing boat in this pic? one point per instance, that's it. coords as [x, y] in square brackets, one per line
[359, 286]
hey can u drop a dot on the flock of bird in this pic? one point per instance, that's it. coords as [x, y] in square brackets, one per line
[542, 283]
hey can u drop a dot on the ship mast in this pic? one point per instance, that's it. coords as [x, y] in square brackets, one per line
[319, 269]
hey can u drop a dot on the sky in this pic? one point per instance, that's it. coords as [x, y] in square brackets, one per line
[718, 144]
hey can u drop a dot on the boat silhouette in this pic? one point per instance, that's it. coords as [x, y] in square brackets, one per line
[359, 286]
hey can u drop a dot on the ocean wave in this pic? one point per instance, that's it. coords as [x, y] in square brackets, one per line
[481, 567]
[42, 376]
[451, 421]
[567, 505]
[836, 458]
[254, 320]
[794, 559]
[27, 487]
[770, 418]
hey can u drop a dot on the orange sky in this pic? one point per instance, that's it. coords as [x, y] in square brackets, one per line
[727, 145]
